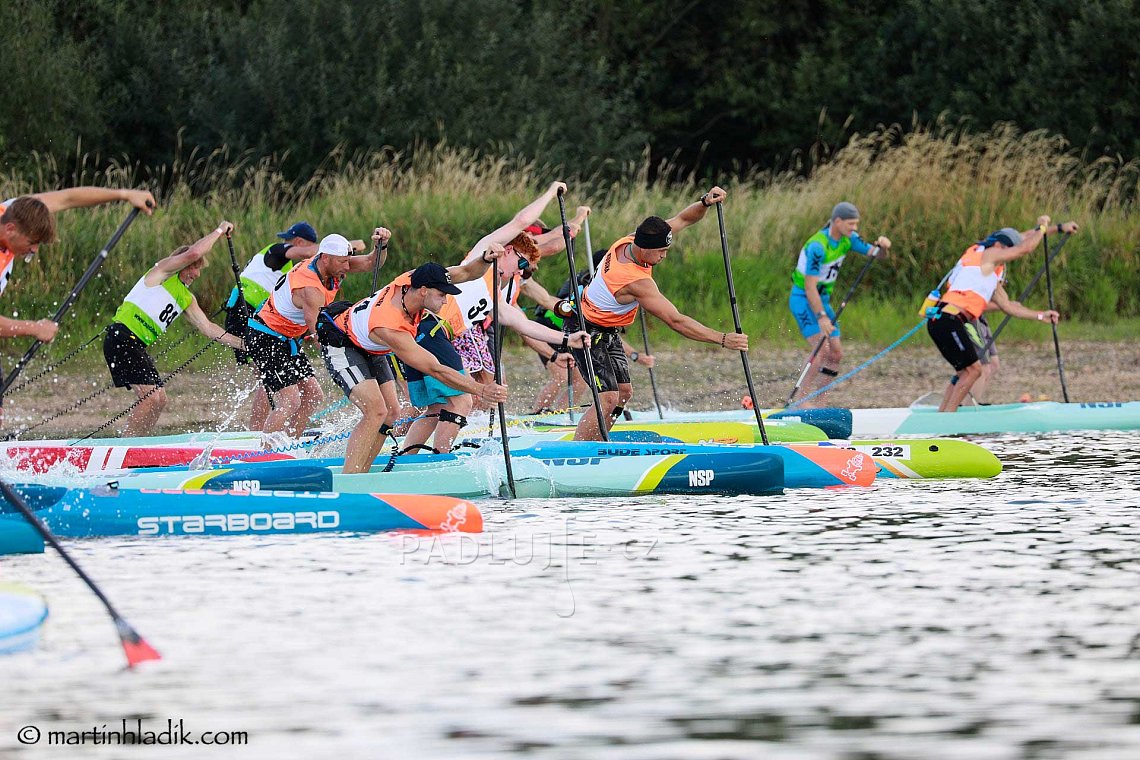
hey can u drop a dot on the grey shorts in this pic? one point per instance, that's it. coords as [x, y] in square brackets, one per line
[982, 330]
[350, 366]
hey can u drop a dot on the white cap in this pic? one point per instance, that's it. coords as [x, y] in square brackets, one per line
[335, 245]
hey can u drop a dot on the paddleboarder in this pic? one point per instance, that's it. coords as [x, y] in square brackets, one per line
[813, 279]
[358, 339]
[149, 309]
[277, 332]
[975, 286]
[623, 283]
[295, 244]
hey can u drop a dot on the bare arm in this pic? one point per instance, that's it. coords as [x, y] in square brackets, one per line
[202, 323]
[311, 302]
[43, 330]
[661, 307]
[476, 267]
[84, 197]
[550, 243]
[535, 292]
[1016, 309]
[523, 219]
[301, 252]
[174, 264]
[513, 317]
[695, 212]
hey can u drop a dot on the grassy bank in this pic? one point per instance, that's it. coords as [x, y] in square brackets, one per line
[932, 191]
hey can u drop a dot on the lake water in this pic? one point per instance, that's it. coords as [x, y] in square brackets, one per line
[980, 620]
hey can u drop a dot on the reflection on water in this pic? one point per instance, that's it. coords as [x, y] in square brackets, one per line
[969, 619]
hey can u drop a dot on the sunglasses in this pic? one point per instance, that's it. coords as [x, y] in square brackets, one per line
[524, 263]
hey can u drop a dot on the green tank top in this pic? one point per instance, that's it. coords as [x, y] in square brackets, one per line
[149, 311]
[828, 268]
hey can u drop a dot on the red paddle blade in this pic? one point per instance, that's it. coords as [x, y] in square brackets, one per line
[134, 646]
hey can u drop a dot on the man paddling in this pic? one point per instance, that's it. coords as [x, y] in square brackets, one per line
[149, 309]
[288, 317]
[297, 243]
[28, 222]
[623, 282]
[975, 286]
[402, 319]
[812, 282]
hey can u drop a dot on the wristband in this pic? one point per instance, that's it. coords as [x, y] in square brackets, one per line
[1043, 227]
[220, 231]
[821, 314]
[705, 200]
[1040, 316]
[723, 338]
[633, 356]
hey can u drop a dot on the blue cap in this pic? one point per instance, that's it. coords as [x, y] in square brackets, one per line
[300, 229]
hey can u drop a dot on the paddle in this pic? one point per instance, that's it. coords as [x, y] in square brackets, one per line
[496, 294]
[874, 254]
[1056, 339]
[376, 263]
[652, 377]
[134, 646]
[602, 430]
[736, 320]
[92, 268]
[589, 245]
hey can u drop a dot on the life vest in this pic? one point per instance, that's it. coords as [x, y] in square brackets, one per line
[258, 278]
[599, 300]
[379, 310]
[149, 311]
[970, 289]
[280, 313]
[833, 255]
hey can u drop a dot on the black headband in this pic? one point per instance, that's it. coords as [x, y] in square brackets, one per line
[651, 241]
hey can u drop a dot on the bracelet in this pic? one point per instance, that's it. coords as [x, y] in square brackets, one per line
[704, 200]
[723, 338]
[821, 313]
[219, 230]
[1040, 316]
[1043, 227]
[483, 256]
[633, 356]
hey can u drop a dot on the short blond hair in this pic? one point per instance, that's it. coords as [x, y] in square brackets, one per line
[32, 217]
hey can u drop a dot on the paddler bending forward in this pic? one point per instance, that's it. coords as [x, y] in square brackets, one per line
[975, 287]
[400, 319]
[157, 299]
[622, 283]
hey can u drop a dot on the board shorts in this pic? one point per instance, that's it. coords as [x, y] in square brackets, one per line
[951, 333]
[806, 320]
[983, 337]
[425, 390]
[127, 358]
[611, 368]
[349, 364]
[280, 361]
[474, 347]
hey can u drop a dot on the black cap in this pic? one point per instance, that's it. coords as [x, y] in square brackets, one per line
[432, 275]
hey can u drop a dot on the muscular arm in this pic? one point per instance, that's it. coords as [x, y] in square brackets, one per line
[176, 263]
[84, 197]
[525, 217]
[415, 355]
[472, 270]
[1016, 309]
[513, 317]
[202, 323]
[661, 307]
[301, 252]
[311, 302]
[41, 329]
[540, 295]
[550, 243]
[695, 212]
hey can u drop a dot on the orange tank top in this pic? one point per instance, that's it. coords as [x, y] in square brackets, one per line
[970, 289]
[599, 301]
[379, 310]
[280, 313]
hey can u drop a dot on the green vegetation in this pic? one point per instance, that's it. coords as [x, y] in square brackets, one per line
[932, 191]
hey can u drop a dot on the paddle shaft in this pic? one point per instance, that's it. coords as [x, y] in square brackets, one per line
[589, 245]
[603, 431]
[376, 265]
[1026, 292]
[652, 377]
[92, 268]
[126, 632]
[874, 254]
[1056, 339]
[496, 293]
[736, 321]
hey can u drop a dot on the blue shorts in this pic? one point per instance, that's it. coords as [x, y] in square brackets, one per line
[430, 391]
[805, 317]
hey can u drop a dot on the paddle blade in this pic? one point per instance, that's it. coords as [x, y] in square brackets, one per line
[134, 646]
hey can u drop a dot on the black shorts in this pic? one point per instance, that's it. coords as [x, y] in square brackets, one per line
[952, 336]
[237, 317]
[611, 368]
[280, 363]
[350, 366]
[127, 358]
